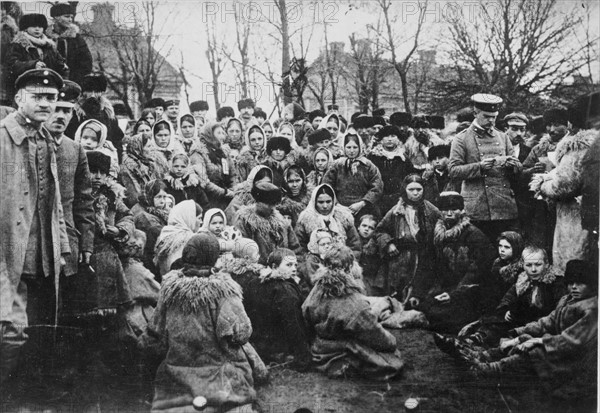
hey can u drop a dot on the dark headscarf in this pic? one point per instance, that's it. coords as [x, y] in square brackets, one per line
[207, 136]
[419, 206]
[200, 255]
[135, 148]
[151, 189]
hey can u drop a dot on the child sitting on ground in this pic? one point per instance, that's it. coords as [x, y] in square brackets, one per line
[369, 259]
[560, 348]
[273, 301]
[320, 242]
[349, 336]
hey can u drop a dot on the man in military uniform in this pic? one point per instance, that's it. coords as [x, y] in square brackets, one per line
[34, 242]
[483, 158]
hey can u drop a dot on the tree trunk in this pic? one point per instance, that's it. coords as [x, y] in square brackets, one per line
[404, 83]
[286, 87]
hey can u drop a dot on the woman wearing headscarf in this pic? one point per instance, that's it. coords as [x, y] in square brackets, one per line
[210, 162]
[234, 134]
[150, 215]
[254, 151]
[334, 125]
[184, 220]
[242, 195]
[405, 242]
[355, 178]
[201, 330]
[180, 183]
[186, 131]
[92, 136]
[323, 211]
[137, 169]
[321, 161]
[163, 145]
[295, 193]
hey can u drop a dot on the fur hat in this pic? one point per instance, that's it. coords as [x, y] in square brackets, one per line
[202, 249]
[60, 9]
[379, 120]
[266, 192]
[259, 113]
[33, 20]
[319, 135]
[363, 121]
[279, 142]
[224, 112]
[333, 107]
[198, 105]
[556, 115]
[420, 121]
[246, 103]
[439, 151]
[465, 115]
[437, 122]
[94, 82]
[391, 130]
[98, 162]
[401, 119]
[581, 271]
[154, 103]
[379, 112]
[450, 201]
[318, 113]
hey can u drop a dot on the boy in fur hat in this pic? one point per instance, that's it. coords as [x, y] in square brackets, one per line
[31, 49]
[349, 337]
[70, 43]
[561, 348]
[273, 302]
[264, 224]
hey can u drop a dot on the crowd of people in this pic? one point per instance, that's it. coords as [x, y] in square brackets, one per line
[199, 251]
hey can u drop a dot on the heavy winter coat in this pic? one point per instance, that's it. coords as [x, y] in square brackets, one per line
[136, 170]
[268, 232]
[310, 220]
[200, 327]
[152, 225]
[76, 198]
[7, 34]
[348, 334]
[487, 194]
[569, 350]
[242, 195]
[248, 157]
[22, 55]
[590, 211]
[393, 166]
[74, 49]
[415, 261]
[18, 203]
[563, 185]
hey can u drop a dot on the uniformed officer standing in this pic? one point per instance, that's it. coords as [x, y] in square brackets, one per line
[483, 158]
[34, 242]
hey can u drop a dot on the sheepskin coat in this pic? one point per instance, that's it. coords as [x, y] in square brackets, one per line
[347, 333]
[563, 185]
[364, 185]
[269, 232]
[200, 327]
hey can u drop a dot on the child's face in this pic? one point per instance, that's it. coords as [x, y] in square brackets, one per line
[580, 291]
[288, 219]
[440, 164]
[233, 155]
[321, 162]
[89, 140]
[288, 266]
[286, 133]
[98, 179]
[35, 31]
[268, 131]
[505, 251]
[294, 182]
[366, 228]
[278, 154]
[216, 225]
[324, 144]
[178, 168]
[534, 264]
[324, 245]
[256, 140]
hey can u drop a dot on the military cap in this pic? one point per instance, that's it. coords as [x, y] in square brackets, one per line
[39, 77]
[516, 118]
[486, 102]
[171, 102]
[68, 94]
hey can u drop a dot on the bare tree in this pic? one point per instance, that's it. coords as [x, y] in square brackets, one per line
[393, 39]
[520, 49]
[216, 54]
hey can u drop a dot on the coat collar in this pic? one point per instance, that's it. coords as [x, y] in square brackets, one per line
[16, 126]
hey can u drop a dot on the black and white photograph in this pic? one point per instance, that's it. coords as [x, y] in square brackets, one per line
[299, 206]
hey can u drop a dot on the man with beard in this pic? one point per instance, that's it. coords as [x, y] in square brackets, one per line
[246, 108]
[483, 158]
[74, 178]
[540, 227]
[69, 42]
[34, 242]
[420, 141]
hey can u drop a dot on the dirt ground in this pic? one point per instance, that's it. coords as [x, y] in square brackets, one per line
[435, 379]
